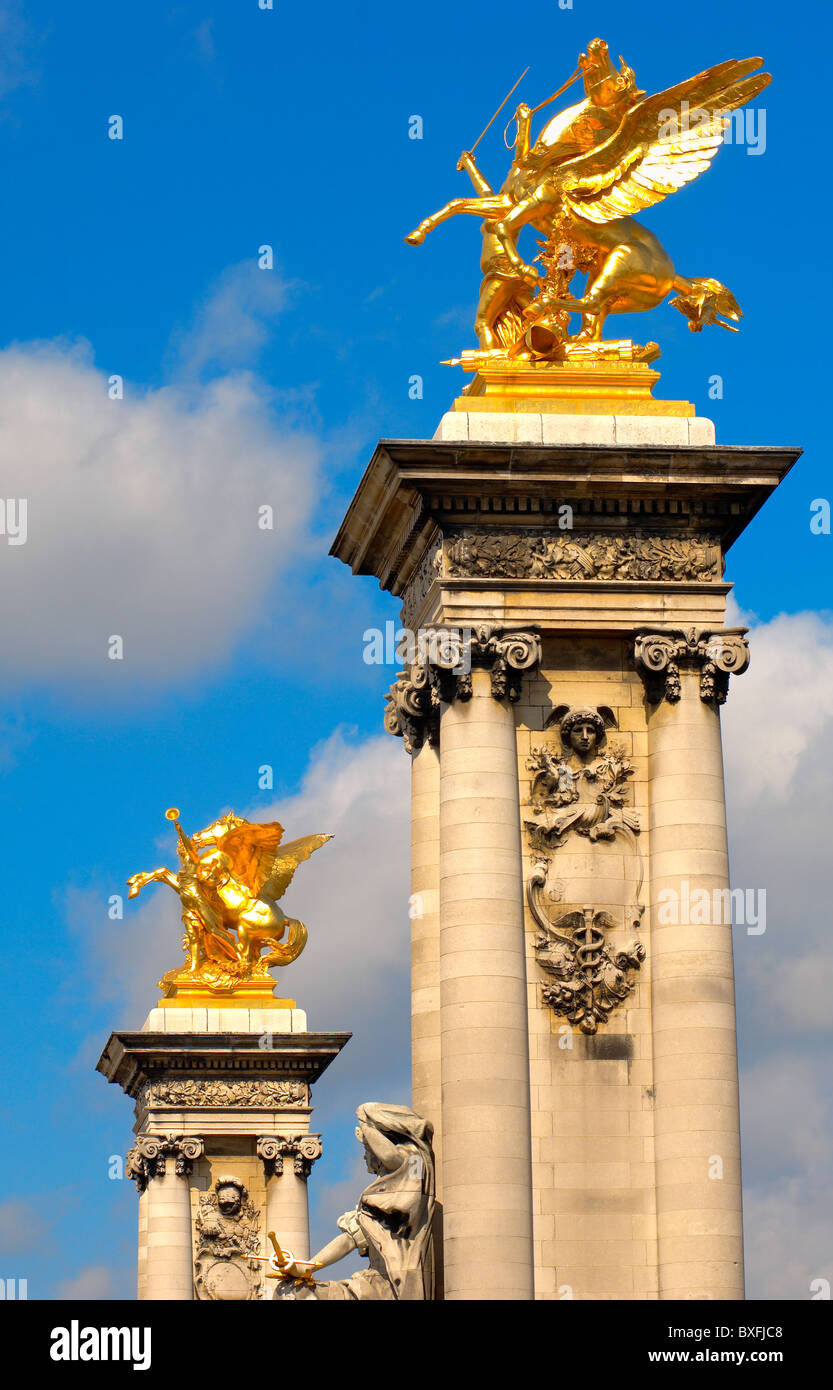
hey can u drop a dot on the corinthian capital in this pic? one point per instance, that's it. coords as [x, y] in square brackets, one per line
[660, 656]
[442, 674]
[506, 654]
[413, 712]
[303, 1149]
[147, 1159]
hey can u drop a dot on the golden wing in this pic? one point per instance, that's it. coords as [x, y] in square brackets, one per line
[286, 861]
[251, 851]
[661, 144]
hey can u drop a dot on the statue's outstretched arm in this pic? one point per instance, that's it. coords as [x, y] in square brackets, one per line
[336, 1250]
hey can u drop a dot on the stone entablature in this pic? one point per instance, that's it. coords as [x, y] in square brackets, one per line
[418, 492]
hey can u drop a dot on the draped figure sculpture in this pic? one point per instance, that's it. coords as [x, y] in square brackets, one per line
[392, 1222]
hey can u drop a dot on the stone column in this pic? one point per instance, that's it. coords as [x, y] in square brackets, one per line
[161, 1166]
[697, 1127]
[287, 1163]
[413, 714]
[425, 943]
[487, 1168]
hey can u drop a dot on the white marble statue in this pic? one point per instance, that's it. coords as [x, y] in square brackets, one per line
[392, 1223]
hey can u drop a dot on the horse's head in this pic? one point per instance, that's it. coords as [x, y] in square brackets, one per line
[603, 85]
[217, 830]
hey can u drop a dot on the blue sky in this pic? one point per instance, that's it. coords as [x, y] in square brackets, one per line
[245, 127]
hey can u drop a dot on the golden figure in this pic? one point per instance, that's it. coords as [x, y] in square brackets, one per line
[592, 166]
[230, 878]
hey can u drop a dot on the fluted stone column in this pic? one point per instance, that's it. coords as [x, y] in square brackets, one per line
[287, 1164]
[697, 1129]
[487, 1167]
[161, 1166]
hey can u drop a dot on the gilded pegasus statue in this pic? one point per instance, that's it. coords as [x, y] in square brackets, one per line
[231, 876]
[578, 184]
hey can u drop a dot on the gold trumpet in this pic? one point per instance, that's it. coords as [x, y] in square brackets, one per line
[172, 814]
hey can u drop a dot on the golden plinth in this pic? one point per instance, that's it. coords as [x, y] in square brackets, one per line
[619, 386]
[247, 994]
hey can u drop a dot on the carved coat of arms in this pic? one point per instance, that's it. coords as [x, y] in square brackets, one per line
[227, 1239]
[581, 788]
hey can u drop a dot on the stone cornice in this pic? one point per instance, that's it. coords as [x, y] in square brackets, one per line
[412, 486]
[132, 1059]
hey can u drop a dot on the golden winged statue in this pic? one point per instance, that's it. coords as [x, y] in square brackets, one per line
[230, 878]
[578, 184]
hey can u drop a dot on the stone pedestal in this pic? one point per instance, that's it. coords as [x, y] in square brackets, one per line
[574, 1048]
[223, 1145]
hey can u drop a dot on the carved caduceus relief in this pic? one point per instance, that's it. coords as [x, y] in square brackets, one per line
[576, 792]
[587, 980]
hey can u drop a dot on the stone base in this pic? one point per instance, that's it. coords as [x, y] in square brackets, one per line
[535, 426]
[279, 1016]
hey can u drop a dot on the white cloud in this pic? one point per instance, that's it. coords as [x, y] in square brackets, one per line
[778, 709]
[97, 1283]
[142, 521]
[778, 742]
[354, 893]
[22, 1225]
[234, 323]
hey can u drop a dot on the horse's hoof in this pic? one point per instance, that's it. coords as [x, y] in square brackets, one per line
[415, 238]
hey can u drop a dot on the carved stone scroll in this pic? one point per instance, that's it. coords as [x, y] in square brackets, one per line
[303, 1149]
[659, 657]
[147, 1159]
[443, 674]
[413, 711]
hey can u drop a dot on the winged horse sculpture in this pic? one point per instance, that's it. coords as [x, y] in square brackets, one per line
[591, 168]
[230, 879]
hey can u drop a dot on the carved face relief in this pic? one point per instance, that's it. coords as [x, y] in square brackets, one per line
[583, 738]
[229, 1200]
